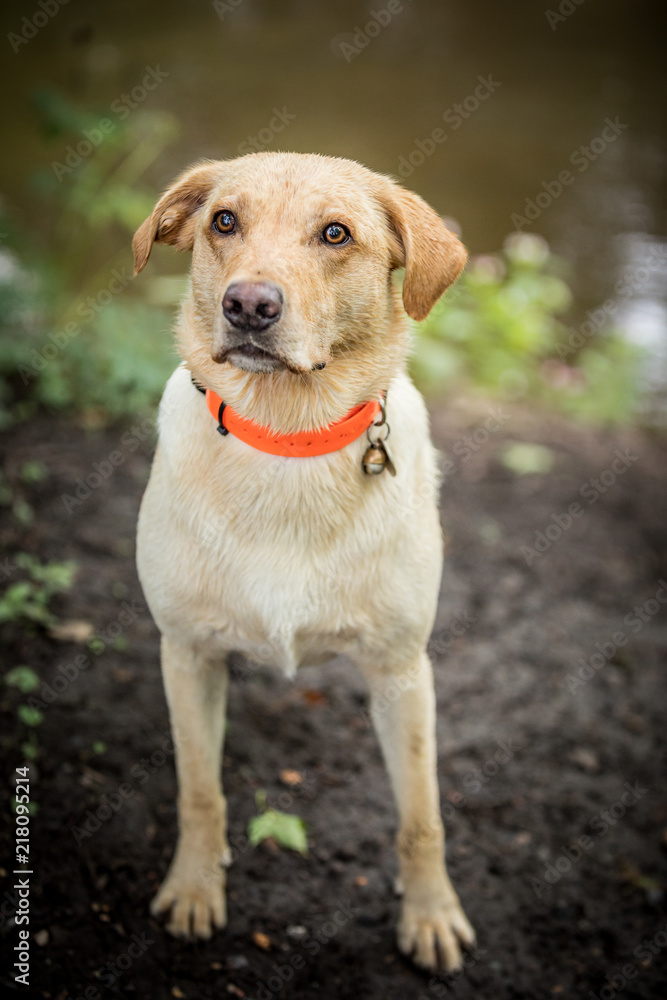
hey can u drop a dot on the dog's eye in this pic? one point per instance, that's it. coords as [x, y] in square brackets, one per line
[335, 233]
[224, 222]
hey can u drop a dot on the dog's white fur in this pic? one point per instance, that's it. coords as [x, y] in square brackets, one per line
[291, 560]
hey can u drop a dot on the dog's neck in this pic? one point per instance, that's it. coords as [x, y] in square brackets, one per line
[287, 402]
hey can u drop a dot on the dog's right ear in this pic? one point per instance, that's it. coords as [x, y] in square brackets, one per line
[173, 218]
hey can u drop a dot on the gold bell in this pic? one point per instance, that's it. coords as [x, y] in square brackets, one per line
[374, 460]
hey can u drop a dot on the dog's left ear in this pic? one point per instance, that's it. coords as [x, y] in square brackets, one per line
[173, 218]
[432, 256]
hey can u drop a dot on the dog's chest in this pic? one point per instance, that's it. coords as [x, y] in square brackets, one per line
[285, 560]
[283, 610]
[284, 556]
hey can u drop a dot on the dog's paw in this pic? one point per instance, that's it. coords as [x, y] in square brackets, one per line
[197, 902]
[432, 932]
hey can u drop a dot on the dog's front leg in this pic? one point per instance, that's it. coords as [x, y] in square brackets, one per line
[432, 925]
[194, 889]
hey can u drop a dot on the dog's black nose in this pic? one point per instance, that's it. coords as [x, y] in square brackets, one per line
[252, 305]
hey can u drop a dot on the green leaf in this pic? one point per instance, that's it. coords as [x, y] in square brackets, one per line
[30, 750]
[30, 716]
[527, 459]
[23, 678]
[286, 829]
[23, 512]
[54, 576]
[34, 472]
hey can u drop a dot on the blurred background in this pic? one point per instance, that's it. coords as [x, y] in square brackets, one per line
[517, 95]
[537, 129]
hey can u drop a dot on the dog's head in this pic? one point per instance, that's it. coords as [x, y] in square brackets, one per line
[292, 262]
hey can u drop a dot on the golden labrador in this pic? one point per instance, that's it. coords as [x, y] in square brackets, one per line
[303, 529]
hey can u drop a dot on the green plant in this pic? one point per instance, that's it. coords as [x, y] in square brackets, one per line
[33, 472]
[20, 508]
[25, 680]
[500, 329]
[27, 600]
[288, 830]
[69, 315]
[30, 716]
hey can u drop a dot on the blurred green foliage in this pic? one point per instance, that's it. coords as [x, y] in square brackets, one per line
[25, 603]
[500, 329]
[286, 829]
[27, 600]
[22, 677]
[25, 680]
[77, 336]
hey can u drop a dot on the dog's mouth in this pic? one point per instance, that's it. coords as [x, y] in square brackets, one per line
[250, 357]
[257, 358]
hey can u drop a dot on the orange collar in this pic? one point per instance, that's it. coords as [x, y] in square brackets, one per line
[302, 444]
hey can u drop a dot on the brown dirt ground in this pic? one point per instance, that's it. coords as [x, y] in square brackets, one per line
[502, 680]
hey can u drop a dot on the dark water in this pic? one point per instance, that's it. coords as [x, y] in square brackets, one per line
[537, 93]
